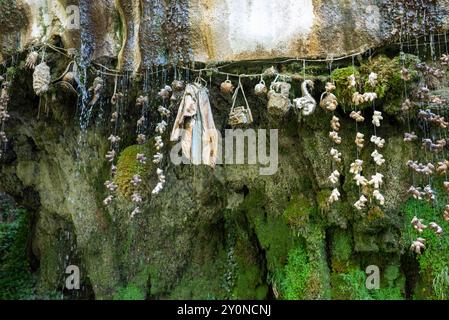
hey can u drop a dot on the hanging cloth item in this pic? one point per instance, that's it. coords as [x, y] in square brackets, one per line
[195, 126]
[240, 115]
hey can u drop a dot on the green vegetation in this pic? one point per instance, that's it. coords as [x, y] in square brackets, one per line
[297, 273]
[16, 281]
[434, 261]
[130, 292]
[128, 166]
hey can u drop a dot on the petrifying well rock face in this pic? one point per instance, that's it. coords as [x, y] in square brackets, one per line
[147, 32]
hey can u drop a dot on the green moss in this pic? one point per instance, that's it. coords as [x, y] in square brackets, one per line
[390, 85]
[297, 272]
[341, 251]
[298, 211]
[128, 166]
[435, 259]
[16, 281]
[340, 78]
[130, 292]
[351, 286]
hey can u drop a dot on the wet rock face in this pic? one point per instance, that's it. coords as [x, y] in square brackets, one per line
[145, 33]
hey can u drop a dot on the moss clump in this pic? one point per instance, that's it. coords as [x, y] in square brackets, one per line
[341, 251]
[130, 292]
[298, 211]
[297, 273]
[128, 166]
[390, 85]
[16, 281]
[344, 92]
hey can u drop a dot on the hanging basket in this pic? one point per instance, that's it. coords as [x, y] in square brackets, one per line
[278, 100]
[240, 115]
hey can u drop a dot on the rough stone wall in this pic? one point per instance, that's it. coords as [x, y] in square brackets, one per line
[143, 33]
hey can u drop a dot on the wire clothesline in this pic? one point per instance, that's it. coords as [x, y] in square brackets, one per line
[107, 71]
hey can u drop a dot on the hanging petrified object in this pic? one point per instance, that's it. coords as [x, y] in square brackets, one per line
[278, 99]
[141, 139]
[240, 115]
[410, 137]
[418, 245]
[429, 194]
[165, 92]
[158, 157]
[431, 117]
[376, 180]
[227, 87]
[111, 186]
[359, 140]
[163, 111]
[377, 117]
[114, 139]
[110, 155]
[378, 141]
[334, 197]
[357, 116]
[96, 90]
[379, 197]
[360, 180]
[108, 200]
[335, 123]
[160, 185]
[41, 78]
[378, 158]
[31, 60]
[158, 144]
[416, 192]
[351, 81]
[361, 203]
[328, 99]
[194, 124]
[438, 146]
[372, 79]
[358, 99]
[141, 158]
[136, 198]
[436, 228]
[356, 167]
[114, 117]
[161, 127]
[369, 96]
[306, 104]
[334, 177]
[418, 224]
[260, 88]
[336, 155]
[333, 135]
[427, 169]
